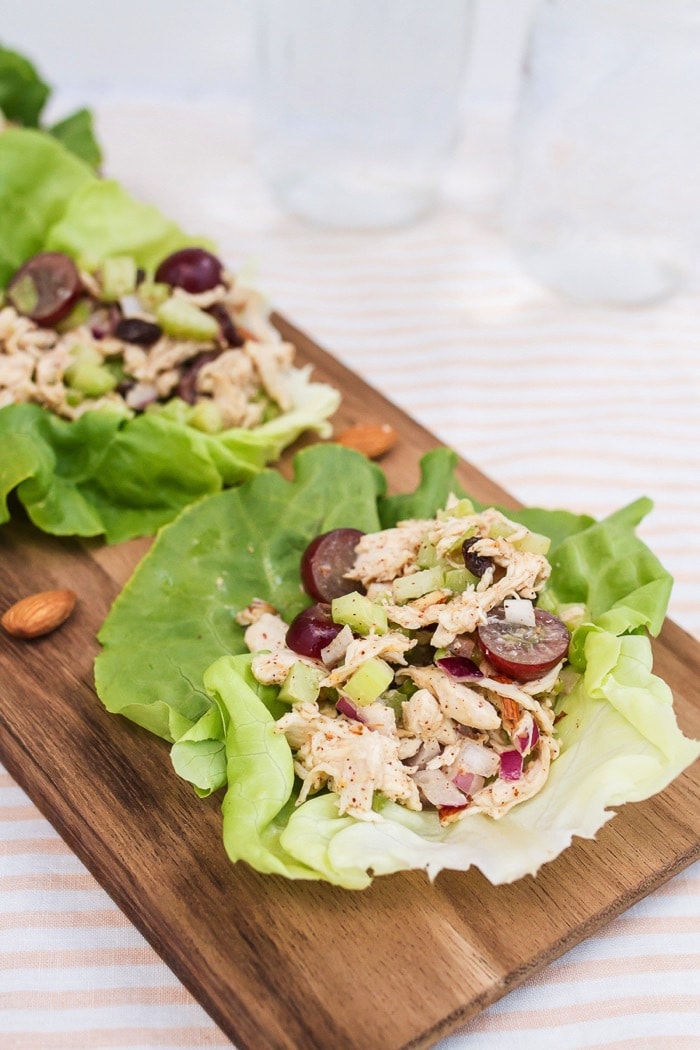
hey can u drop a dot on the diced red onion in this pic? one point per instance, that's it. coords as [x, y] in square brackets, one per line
[345, 706]
[474, 758]
[461, 668]
[519, 610]
[438, 788]
[130, 305]
[140, 395]
[469, 783]
[511, 765]
[526, 741]
[103, 320]
[428, 749]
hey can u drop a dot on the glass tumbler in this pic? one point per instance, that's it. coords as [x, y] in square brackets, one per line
[359, 104]
[604, 203]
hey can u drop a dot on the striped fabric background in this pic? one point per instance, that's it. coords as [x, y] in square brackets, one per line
[562, 405]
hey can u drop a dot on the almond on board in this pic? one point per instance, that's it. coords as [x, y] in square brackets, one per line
[38, 614]
[371, 439]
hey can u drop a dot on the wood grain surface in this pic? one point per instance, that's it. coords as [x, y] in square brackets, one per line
[281, 964]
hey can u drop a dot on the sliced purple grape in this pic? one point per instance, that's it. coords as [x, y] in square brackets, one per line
[193, 269]
[137, 330]
[45, 288]
[520, 651]
[312, 630]
[325, 562]
[477, 564]
[187, 386]
[230, 336]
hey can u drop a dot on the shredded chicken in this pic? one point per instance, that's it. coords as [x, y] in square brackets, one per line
[390, 646]
[429, 740]
[382, 556]
[460, 702]
[242, 383]
[350, 758]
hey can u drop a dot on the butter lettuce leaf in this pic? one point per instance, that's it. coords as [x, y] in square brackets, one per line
[105, 475]
[102, 220]
[51, 200]
[38, 178]
[619, 739]
[77, 133]
[23, 92]
[620, 743]
[240, 544]
[23, 96]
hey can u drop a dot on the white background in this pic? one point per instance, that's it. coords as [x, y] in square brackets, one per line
[180, 49]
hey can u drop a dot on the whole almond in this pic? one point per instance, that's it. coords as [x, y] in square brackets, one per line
[38, 614]
[371, 439]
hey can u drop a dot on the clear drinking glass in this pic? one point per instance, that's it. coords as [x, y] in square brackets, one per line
[604, 203]
[359, 104]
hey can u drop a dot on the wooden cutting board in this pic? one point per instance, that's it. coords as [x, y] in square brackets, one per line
[283, 964]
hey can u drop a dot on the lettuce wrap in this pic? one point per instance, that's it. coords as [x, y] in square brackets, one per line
[105, 474]
[193, 684]
[24, 95]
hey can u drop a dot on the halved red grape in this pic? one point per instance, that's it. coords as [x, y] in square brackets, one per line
[193, 269]
[520, 651]
[477, 564]
[325, 562]
[45, 288]
[312, 630]
[187, 385]
[136, 330]
[229, 334]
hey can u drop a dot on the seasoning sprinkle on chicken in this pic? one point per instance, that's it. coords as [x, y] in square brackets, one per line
[393, 710]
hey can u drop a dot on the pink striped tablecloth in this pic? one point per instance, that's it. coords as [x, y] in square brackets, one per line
[585, 408]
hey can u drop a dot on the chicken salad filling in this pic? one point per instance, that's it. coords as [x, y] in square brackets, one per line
[423, 673]
[194, 342]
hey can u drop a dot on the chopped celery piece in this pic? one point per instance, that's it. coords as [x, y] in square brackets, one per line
[85, 355]
[74, 397]
[302, 684]
[533, 543]
[501, 528]
[88, 373]
[184, 320]
[426, 556]
[78, 315]
[152, 294]
[175, 409]
[393, 698]
[118, 277]
[369, 681]
[461, 509]
[91, 380]
[359, 613]
[455, 550]
[405, 588]
[116, 367]
[206, 416]
[459, 579]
